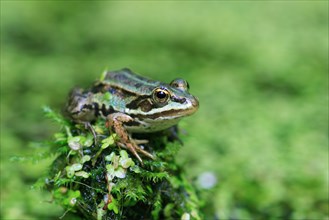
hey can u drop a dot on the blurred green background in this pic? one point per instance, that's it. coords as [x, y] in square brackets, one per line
[260, 70]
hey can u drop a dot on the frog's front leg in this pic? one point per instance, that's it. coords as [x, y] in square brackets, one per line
[116, 122]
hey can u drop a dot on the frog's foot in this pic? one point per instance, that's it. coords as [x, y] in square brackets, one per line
[135, 149]
[116, 122]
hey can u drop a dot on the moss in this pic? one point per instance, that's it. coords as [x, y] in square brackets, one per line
[98, 180]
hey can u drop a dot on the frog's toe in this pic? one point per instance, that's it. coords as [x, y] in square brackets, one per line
[141, 141]
[145, 153]
[133, 149]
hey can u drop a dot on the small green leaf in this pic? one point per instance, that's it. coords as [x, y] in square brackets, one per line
[107, 142]
[168, 210]
[115, 161]
[60, 193]
[186, 216]
[195, 215]
[110, 168]
[100, 211]
[123, 154]
[60, 137]
[120, 172]
[110, 176]
[74, 142]
[76, 166]
[89, 141]
[57, 176]
[135, 169]
[82, 174]
[113, 206]
[105, 145]
[110, 157]
[69, 171]
[98, 130]
[125, 163]
[75, 194]
[72, 197]
[85, 158]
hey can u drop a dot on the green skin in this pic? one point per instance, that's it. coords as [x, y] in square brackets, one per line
[132, 104]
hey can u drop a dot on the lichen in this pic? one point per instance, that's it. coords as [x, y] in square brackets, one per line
[98, 180]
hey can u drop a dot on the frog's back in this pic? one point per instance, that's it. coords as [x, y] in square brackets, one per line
[130, 82]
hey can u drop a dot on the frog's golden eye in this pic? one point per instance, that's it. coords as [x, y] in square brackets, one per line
[161, 95]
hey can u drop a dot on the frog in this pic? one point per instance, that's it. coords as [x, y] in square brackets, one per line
[131, 103]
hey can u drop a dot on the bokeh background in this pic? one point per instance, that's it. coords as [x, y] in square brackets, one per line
[260, 70]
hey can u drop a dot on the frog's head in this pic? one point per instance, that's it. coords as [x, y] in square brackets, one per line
[164, 106]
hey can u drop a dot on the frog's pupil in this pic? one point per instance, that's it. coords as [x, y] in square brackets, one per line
[161, 95]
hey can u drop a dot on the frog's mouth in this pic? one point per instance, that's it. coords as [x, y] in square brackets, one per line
[191, 106]
[171, 114]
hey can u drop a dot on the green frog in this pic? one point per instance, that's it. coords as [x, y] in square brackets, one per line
[131, 104]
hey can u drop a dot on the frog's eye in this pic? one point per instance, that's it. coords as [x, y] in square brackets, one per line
[161, 95]
[180, 84]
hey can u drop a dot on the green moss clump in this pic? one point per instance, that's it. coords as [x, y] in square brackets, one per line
[98, 180]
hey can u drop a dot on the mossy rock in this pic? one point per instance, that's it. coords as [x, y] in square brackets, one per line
[98, 180]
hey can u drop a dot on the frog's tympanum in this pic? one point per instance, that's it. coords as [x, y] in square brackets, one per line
[132, 104]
